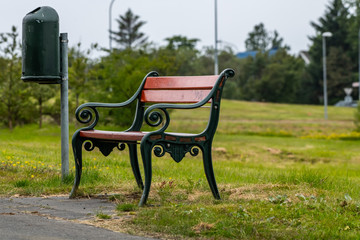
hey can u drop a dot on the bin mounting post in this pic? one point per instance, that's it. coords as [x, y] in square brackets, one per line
[64, 106]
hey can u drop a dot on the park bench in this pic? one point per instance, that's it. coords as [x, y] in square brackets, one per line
[159, 94]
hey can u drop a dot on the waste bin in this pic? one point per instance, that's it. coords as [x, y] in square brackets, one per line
[41, 46]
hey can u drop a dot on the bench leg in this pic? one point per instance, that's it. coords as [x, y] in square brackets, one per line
[135, 165]
[209, 171]
[146, 157]
[77, 149]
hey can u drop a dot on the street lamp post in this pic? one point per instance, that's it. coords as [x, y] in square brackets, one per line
[324, 35]
[216, 66]
[110, 19]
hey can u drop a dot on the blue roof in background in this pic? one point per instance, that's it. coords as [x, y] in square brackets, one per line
[246, 54]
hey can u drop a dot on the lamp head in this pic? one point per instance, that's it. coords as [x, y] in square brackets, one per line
[327, 34]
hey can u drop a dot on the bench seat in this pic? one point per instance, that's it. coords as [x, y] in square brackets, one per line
[134, 136]
[112, 135]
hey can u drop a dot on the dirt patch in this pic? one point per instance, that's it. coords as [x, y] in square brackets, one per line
[203, 227]
[123, 224]
[116, 223]
[254, 191]
[195, 195]
[273, 150]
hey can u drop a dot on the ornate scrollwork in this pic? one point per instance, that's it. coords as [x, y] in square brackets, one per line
[159, 150]
[86, 115]
[176, 151]
[121, 146]
[105, 147]
[89, 146]
[155, 118]
[194, 151]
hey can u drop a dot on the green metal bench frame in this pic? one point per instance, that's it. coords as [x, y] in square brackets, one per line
[163, 93]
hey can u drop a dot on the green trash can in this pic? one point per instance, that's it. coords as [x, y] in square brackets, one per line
[41, 46]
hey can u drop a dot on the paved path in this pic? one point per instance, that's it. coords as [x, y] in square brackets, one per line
[51, 219]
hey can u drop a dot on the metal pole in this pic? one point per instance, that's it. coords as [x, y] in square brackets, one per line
[324, 76]
[110, 19]
[216, 67]
[64, 106]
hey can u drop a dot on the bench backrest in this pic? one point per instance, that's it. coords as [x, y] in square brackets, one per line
[190, 89]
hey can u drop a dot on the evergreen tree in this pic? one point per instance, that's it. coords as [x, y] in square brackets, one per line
[339, 70]
[336, 21]
[353, 39]
[129, 36]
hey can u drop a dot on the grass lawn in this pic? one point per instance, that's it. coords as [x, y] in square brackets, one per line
[283, 172]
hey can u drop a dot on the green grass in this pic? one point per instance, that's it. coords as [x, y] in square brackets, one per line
[126, 207]
[283, 173]
[103, 216]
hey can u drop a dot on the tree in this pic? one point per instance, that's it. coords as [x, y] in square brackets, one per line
[335, 20]
[277, 41]
[262, 40]
[258, 39]
[42, 93]
[179, 41]
[270, 78]
[13, 92]
[280, 79]
[129, 35]
[181, 53]
[353, 38]
[339, 74]
[79, 67]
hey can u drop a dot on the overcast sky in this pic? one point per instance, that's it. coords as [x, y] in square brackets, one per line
[87, 21]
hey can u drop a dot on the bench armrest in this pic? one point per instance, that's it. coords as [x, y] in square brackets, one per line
[87, 112]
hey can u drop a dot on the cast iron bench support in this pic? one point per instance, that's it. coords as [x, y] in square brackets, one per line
[163, 93]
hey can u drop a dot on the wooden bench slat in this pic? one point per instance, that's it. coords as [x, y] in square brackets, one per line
[190, 82]
[174, 96]
[110, 135]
